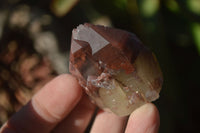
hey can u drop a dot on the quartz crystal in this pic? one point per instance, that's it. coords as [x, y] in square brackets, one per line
[113, 66]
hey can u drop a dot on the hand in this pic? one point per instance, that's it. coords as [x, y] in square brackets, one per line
[61, 106]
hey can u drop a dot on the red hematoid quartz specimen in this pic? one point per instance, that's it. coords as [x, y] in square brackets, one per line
[113, 66]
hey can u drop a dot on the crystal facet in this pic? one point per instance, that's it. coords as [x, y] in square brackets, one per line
[113, 66]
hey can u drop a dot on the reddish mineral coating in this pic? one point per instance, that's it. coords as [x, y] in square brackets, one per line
[117, 71]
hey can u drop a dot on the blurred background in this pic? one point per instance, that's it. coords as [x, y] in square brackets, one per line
[35, 41]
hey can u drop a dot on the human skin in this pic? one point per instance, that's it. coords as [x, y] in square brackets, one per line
[61, 106]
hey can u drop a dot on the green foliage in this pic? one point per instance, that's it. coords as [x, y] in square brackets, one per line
[196, 35]
[194, 6]
[149, 7]
[62, 7]
[172, 5]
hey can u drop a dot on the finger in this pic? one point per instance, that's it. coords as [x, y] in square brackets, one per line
[144, 120]
[57, 98]
[106, 122]
[49, 106]
[78, 120]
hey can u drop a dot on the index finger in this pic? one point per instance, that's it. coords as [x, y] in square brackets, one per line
[48, 107]
[145, 119]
